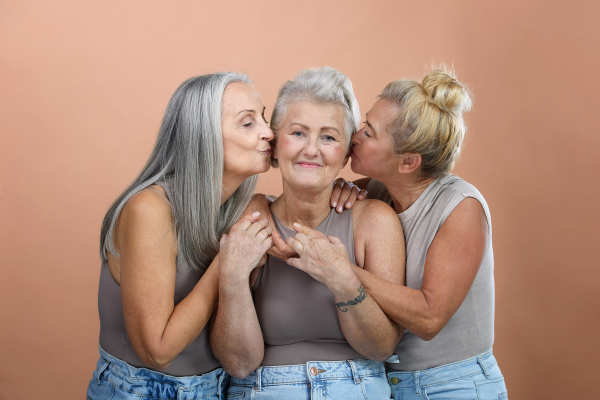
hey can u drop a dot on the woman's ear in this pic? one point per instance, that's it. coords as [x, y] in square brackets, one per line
[409, 162]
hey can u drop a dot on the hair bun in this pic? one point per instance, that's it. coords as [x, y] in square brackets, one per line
[444, 91]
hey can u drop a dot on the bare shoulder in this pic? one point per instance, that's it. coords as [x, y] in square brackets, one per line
[372, 212]
[146, 217]
[467, 214]
[150, 203]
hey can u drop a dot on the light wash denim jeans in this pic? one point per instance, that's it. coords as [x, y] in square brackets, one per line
[477, 378]
[315, 380]
[114, 379]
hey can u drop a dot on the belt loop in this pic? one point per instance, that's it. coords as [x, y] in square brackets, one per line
[221, 384]
[417, 383]
[259, 379]
[483, 367]
[355, 376]
[101, 370]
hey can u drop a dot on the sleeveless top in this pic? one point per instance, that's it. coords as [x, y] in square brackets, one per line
[297, 313]
[195, 359]
[470, 331]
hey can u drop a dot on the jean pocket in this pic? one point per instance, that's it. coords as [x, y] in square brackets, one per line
[503, 396]
[491, 389]
[235, 395]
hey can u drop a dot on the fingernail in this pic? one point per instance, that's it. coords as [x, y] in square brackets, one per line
[297, 225]
[339, 209]
[334, 204]
[255, 214]
[348, 204]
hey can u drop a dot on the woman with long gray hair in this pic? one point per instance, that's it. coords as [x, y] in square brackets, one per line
[308, 329]
[158, 281]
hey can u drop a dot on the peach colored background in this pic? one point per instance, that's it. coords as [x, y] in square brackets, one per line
[83, 85]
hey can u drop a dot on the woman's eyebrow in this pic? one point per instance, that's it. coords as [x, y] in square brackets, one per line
[247, 110]
[369, 124]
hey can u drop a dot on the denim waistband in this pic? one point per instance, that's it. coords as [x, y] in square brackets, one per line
[129, 374]
[481, 363]
[311, 371]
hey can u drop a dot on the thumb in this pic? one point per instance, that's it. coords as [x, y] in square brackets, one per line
[223, 239]
[334, 240]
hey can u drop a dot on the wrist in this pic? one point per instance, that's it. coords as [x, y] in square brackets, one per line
[345, 286]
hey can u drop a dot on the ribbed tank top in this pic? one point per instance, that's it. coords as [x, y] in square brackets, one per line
[297, 313]
[195, 359]
[470, 331]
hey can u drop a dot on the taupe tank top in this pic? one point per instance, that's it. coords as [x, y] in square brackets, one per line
[196, 359]
[297, 314]
[470, 331]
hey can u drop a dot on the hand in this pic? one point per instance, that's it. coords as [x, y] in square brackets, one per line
[243, 248]
[323, 258]
[280, 248]
[345, 194]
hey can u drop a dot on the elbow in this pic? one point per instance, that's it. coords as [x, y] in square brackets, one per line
[381, 357]
[430, 328]
[240, 369]
[154, 358]
[156, 361]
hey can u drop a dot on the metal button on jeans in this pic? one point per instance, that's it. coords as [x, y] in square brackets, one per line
[314, 371]
[395, 380]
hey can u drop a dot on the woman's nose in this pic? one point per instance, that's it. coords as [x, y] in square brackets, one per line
[266, 133]
[311, 148]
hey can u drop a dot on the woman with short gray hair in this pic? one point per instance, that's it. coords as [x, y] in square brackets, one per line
[306, 328]
[158, 281]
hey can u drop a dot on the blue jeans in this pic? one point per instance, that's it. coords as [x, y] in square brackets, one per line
[315, 380]
[114, 379]
[477, 378]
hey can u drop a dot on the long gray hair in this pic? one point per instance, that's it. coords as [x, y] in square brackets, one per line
[189, 152]
[324, 85]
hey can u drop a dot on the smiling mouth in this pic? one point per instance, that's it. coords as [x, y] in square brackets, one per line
[265, 151]
[305, 164]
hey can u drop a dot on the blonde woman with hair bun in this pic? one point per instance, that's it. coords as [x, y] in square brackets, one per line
[411, 138]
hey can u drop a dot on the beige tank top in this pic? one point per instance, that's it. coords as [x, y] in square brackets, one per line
[195, 359]
[297, 314]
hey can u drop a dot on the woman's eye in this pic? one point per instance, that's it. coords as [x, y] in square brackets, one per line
[248, 125]
[297, 134]
[367, 134]
[329, 138]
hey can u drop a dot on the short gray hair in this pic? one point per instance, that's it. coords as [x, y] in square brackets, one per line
[324, 85]
[189, 153]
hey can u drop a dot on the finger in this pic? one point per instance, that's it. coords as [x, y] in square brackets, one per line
[363, 194]
[337, 191]
[257, 227]
[334, 240]
[294, 262]
[352, 198]
[345, 196]
[296, 245]
[306, 230]
[223, 239]
[246, 221]
[264, 233]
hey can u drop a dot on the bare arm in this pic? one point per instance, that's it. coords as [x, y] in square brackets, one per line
[451, 265]
[158, 329]
[236, 337]
[366, 328]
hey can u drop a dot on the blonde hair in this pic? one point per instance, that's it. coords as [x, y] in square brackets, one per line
[430, 119]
